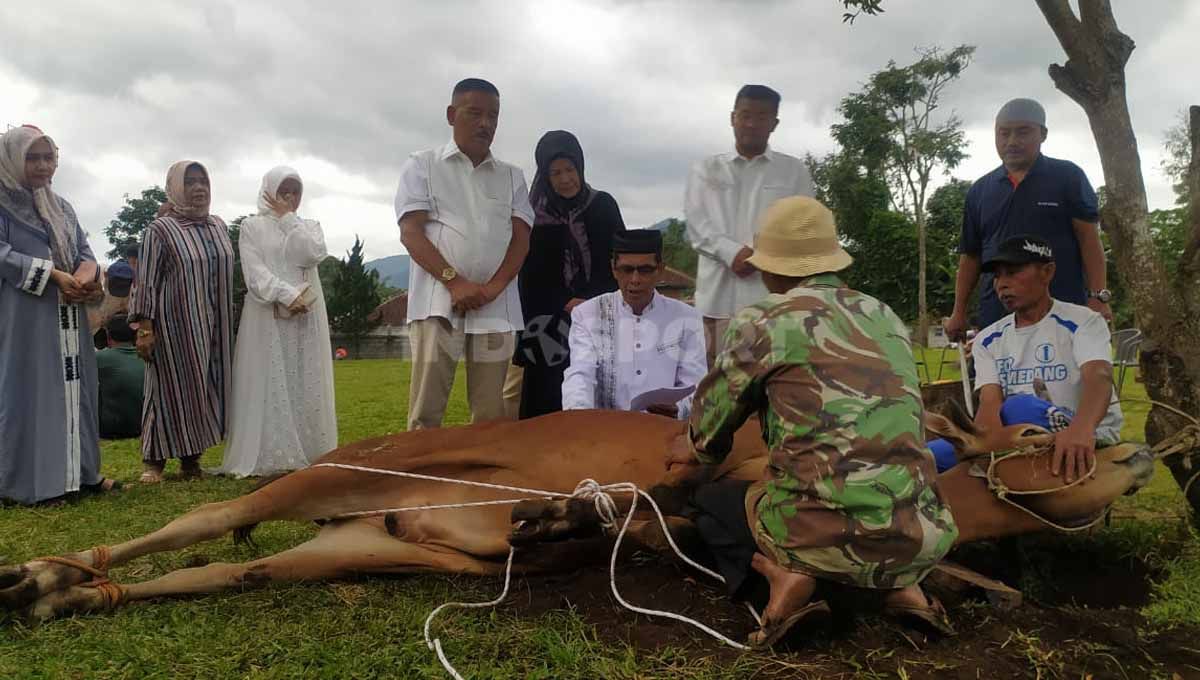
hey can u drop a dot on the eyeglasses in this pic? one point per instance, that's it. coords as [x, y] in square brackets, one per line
[643, 269]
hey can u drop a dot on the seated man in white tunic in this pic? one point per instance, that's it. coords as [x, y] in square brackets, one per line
[633, 342]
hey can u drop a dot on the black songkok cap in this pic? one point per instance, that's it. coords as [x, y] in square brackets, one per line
[646, 241]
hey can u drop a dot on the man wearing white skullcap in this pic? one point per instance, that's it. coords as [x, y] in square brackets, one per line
[1030, 194]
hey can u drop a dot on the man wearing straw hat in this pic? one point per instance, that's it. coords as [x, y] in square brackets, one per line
[849, 493]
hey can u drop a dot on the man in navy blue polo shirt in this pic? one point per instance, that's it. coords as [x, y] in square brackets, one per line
[1030, 194]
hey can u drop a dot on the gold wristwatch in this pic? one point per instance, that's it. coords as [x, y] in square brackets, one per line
[448, 274]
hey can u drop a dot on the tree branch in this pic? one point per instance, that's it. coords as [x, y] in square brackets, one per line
[1063, 22]
[1071, 84]
[1097, 17]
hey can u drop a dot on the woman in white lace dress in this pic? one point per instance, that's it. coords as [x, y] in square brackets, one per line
[283, 415]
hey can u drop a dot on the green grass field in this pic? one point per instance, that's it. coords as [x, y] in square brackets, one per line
[372, 627]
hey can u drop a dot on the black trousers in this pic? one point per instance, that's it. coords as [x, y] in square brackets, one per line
[718, 510]
[541, 390]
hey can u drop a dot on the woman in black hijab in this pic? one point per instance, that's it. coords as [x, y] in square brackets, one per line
[568, 263]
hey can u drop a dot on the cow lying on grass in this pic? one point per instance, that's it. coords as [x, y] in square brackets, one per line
[553, 453]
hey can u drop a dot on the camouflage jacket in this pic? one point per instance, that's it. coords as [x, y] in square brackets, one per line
[849, 493]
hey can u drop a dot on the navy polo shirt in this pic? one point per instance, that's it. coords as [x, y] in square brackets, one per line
[1052, 194]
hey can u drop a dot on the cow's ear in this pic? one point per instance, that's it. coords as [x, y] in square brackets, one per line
[940, 425]
[963, 440]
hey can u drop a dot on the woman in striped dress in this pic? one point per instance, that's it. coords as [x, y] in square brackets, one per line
[49, 444]
[183, 305]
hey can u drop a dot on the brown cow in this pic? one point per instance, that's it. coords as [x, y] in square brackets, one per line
[553, 452]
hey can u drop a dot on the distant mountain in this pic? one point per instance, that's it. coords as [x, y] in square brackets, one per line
[661, 225]
[393, 270]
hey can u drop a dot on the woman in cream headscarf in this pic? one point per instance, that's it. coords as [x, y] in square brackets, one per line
[50, 444]
[182, 303]
[283, 415]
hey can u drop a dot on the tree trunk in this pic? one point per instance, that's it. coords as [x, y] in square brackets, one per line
[1094, 76]
[922, 276]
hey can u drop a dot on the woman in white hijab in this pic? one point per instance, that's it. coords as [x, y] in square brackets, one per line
[283, 414]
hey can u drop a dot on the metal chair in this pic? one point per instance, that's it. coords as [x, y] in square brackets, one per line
[1125, 344]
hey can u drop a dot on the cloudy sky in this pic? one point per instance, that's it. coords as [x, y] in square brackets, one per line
[344, 91]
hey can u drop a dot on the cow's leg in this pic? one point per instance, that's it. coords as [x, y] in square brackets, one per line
[304, 495]
[340, 550]
[21, 584]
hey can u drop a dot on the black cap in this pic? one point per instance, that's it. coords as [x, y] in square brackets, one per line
[646, 241]
[1022, 249]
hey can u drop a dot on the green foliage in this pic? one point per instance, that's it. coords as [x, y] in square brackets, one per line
[891, 146]
[1179, 155]
[135, 216]
[354, 294]
[677, 250]
[327, 271]
[943, 227]
[856, 7]
[884, 242]
[1168, 229]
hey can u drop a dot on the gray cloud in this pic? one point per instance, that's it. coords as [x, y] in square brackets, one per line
[345, 91]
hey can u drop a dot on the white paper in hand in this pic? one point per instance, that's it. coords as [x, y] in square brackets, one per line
[663, 395]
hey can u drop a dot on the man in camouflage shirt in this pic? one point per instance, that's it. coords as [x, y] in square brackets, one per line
[849, 494]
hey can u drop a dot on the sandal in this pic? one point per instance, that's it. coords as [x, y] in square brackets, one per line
[929, 619]
[151, 475]
[771, 633]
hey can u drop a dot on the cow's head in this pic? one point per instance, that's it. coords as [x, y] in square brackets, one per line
[1026, 479]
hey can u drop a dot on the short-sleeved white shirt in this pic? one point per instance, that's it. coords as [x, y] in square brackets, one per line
[470, 211]
[1053, 349]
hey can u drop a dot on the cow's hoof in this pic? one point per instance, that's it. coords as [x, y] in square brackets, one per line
[538, 509]
[73, 600]
[11, 575]
[18, 589]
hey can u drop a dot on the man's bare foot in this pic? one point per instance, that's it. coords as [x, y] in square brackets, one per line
[911, 596]
[912, 607]
[790, 591]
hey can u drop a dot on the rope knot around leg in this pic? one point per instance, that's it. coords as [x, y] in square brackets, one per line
[606, 507]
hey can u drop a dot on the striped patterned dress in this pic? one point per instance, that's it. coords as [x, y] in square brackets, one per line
[185, 285]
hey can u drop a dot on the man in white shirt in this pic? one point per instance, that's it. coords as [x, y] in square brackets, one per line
[629, 342]
[725, 196]
[1047, 363]
[464, 219]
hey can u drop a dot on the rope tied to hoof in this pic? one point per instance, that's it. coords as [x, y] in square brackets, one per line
[606, 510]
[111, 592]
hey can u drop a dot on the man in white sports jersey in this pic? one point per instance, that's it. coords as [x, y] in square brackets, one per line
[1043, 341]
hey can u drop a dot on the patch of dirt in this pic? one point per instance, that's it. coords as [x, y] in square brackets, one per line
[1095, 636]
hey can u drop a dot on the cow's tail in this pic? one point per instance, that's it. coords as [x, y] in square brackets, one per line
[243, 534]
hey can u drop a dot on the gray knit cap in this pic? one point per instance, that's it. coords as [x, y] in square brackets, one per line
[1022, 111]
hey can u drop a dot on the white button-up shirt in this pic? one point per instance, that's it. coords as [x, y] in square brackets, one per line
[617, 355]
[470, 223]
[726, 195]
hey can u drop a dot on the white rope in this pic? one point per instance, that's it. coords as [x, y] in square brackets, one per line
[606, 509]
[436, 643]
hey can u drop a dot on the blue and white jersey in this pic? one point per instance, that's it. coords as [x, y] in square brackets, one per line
[1052, 349]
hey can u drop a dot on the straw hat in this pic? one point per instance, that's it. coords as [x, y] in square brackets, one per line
[797, 237]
